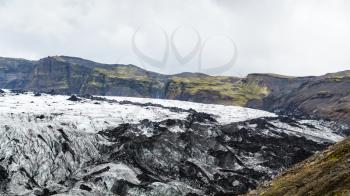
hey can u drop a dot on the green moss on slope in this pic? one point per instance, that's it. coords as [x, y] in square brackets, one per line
[338, 75]
[225, 89]
[327, 173]
[125, 72]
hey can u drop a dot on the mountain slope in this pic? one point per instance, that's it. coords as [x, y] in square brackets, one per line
[326, 173]
[326, 97]
[67, 75]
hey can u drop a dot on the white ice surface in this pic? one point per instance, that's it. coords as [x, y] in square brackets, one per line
[91, 117]
[319, 133]
[225, 114]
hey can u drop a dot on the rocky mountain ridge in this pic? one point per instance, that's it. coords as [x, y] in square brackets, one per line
[326, 97]
[66, 75]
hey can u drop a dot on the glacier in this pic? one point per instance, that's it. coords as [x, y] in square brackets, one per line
[50, 145]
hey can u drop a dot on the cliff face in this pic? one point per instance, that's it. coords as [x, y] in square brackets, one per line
[322, 97]
[66, 75]
[326, 97]
[15, 72]
[73, 75]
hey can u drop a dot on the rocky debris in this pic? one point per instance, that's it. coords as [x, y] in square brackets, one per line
[42, 116]
[4, 178]
[37, 94]
[74, 98]
[227, 159]
[85, 188]
[198, 158]
[44, 192]
[18, 91]
[3, 174]
[1, 91]
[192, 155]
[51, 92]
[200, 117]
[125, 102]
[120, 187]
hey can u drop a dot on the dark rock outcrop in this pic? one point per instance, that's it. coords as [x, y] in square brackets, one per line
[74, 98]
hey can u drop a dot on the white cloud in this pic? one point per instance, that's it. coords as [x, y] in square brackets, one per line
[293, 37]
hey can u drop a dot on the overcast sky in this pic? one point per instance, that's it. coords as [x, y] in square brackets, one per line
[291, 37]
